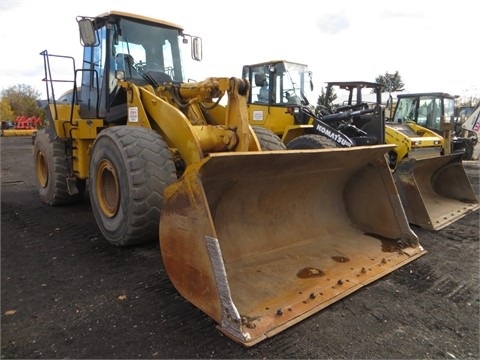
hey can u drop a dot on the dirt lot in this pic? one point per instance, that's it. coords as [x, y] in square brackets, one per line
[67, 293]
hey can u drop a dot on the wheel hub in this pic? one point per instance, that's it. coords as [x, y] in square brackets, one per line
[41, 168]
[107, 188]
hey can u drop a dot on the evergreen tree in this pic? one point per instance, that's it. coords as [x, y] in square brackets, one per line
[324, 105]
[390, 82]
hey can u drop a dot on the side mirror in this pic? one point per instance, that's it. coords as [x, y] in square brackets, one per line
[310, 76]
[87, 32]
[197, 49]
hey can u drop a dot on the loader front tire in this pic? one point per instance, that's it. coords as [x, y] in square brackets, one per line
[129, 169]
[267, 139]
[50, 161]
[311, 141]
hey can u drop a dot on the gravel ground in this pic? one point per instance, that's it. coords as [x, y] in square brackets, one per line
[67, 293]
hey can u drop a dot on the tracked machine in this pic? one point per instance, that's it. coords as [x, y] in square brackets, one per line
[432, 183]
[164, 161]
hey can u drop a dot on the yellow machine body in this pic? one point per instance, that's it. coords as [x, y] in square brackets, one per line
[256, 236]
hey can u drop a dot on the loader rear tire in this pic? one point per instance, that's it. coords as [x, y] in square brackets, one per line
[268, 140]
[129, 169]
[50, 161]
[468, 155]
[311, 141]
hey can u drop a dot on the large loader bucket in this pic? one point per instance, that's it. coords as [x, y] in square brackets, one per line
[261, 240]
[436, 191]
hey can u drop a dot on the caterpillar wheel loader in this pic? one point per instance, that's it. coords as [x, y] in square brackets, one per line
[163, 160]
[422, 170]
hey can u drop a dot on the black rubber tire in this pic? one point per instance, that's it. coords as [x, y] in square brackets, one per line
[50, 162]
[129, 169]
[311, 141]
[468, 155]
[268, 139]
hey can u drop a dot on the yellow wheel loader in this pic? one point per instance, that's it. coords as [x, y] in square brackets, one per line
[436, 111]
[163, 160]
[429, 172]
[422, 167]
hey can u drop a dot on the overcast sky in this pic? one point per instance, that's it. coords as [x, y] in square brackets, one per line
[430, 43]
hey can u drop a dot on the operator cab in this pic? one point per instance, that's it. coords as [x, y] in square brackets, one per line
[426, 109]
[277, 92]
[125, 47]
[278, 83]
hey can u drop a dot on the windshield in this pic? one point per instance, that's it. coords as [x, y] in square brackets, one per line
[291, 82]
[139, 47]
[406, 110]
[425, 110]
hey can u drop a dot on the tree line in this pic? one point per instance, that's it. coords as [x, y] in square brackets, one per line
[22, 100]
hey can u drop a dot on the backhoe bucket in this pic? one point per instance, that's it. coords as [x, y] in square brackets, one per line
[436, 191]
[261, 240]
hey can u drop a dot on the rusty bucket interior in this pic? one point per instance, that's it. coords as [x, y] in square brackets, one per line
[435, 191]
[261, 240]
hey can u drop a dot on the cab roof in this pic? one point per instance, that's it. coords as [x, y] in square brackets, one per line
[276, 62]
[139, 17]
[429, 94]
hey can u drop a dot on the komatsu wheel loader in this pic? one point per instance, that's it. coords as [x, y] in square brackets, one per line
[164, 160]
[433, 185]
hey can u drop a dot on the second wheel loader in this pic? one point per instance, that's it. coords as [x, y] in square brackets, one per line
[164, 160]
[433, 184]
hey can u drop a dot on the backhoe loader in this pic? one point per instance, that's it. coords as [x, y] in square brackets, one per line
[428, 110]
[164, 160]
[432, 183]
[442, 193]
